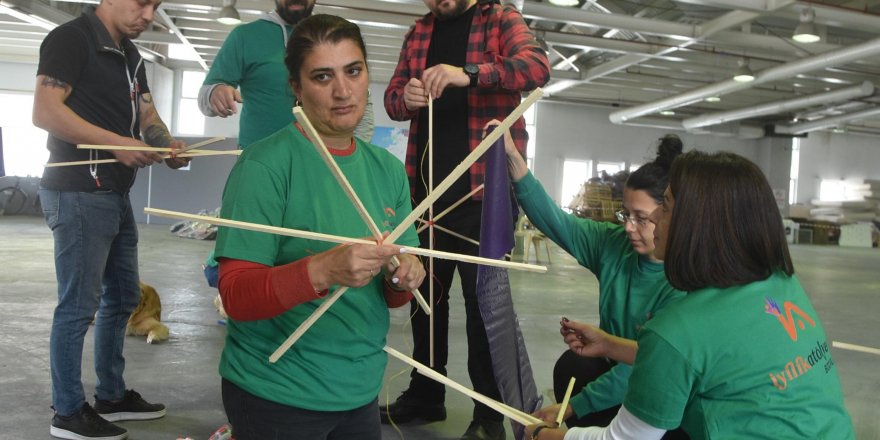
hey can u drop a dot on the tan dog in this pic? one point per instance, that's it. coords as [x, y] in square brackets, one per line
[145, 318]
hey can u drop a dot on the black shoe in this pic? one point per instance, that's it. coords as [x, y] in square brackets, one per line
[484, 430]
[85, 425]
[407, 408]
[131, 407]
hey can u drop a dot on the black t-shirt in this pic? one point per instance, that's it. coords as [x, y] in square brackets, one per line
[106, 82]
[448, 46]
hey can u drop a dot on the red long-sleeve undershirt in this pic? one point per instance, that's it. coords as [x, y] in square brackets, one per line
[252, 291]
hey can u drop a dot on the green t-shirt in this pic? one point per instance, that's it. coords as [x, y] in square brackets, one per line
[632, 288]
[252, 58]
[281, 181]
[744, 362]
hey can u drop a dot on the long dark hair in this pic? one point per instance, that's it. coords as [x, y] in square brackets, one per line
[315, 30]
[726, 229]
[653, 177]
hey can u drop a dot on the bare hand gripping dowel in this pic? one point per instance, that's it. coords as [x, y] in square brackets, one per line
[183, 152]
[349, 191]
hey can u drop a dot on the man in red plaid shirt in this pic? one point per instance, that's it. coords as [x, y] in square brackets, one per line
[474, 58]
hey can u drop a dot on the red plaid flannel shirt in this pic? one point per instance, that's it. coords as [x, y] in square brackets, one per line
[510, 60]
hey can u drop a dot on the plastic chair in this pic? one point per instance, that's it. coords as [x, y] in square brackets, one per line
[531, 237]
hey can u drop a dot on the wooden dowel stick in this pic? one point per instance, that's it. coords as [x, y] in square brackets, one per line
[166, 149]
[301, 330]
[467, 162]
[79, 162]
[201, 144]
[565, 402]
[430, 225]
[308, 235]
[436, 218]
[457, 235]
[349, 192]
[195, 153]
[451, 232]
[508, 411]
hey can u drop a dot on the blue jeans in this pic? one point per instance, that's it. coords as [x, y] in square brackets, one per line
[254, 418]
[96, 265]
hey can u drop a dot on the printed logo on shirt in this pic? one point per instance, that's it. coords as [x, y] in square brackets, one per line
[788, 321]
[799, 366]
[794, 320]
[389, 214]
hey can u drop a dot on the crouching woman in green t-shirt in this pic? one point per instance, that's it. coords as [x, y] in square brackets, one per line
[326, 385]
[744, 354]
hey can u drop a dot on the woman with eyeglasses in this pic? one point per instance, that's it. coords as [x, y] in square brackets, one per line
[632, 287]
[744, 355]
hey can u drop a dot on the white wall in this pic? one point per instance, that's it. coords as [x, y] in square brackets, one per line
[571, 131]
[161, 82]
[18, 77]
[846, 156]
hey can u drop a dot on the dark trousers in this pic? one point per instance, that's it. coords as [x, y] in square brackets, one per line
[253, 418]
[586, 370]
[464, 220]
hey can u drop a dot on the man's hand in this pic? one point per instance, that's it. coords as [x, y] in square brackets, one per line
[438, 78]
[177, 162]
[136, 159]
[224, 99]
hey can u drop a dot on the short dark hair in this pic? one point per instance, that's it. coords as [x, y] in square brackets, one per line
[653, 177]
[726, 229]
[315, 30]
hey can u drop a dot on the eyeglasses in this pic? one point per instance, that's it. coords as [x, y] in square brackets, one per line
[625, 217]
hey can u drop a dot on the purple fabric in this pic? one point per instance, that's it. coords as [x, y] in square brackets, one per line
[510, 360]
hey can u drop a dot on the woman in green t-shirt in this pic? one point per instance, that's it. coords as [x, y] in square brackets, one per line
[744, 354]
[327, 384]
[632, 287]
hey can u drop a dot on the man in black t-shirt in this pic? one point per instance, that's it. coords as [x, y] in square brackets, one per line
[92, 89]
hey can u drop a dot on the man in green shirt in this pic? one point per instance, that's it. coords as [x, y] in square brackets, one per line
[252, 60]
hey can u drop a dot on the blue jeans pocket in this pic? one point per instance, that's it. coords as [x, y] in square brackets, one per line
[50, 202]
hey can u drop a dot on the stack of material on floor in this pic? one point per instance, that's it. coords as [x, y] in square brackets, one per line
[850, 211]
[859, 235]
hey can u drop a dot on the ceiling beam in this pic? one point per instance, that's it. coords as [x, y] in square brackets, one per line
[769, 108]
[783, 71]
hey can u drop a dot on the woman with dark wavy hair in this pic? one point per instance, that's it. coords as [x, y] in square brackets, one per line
[744, 354]
[632, 287]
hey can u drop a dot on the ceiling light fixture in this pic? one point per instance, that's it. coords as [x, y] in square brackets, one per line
[743, 72]
[564, 2]
[667, 113]
[713, 99]
[806, 31]
[228, 14]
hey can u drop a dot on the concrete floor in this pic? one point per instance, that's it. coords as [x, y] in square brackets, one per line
[182, 372]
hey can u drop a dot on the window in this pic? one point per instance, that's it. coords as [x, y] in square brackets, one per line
[24, 146]
[611, 168]
[574, 174]
[531, 128]
[634, 166]
[793, 172]
[833, 190]
[190, 121]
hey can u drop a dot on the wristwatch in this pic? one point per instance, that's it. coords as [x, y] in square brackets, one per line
[473, 72]
[537, 431]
